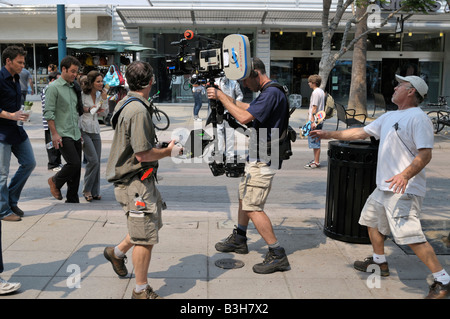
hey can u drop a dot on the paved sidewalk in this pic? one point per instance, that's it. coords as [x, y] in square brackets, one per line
[56, 251]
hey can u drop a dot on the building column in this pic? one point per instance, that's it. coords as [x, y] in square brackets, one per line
[263, 47]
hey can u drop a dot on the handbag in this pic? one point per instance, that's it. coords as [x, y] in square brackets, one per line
[114, 77]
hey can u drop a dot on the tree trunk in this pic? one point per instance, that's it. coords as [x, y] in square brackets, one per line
[358, 88]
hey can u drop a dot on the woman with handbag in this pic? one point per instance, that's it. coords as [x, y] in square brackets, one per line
[94, 97]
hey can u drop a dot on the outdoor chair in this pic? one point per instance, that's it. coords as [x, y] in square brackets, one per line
[348, 116]
[380, 103]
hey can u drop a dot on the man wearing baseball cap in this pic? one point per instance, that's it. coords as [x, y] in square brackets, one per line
[406, 143]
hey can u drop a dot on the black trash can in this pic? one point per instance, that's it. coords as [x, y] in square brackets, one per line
[351, 179]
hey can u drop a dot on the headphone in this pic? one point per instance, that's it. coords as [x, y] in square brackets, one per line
[253, 72]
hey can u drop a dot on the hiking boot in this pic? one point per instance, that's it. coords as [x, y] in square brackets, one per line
[233, 243]
[363, 265]
[118, 264]
[438, 290]
[147, 293]
[275, 260]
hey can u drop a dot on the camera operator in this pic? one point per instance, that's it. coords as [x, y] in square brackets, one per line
[132, 166]
[268, 113]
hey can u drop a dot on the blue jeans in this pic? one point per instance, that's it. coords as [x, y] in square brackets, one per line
[197, 102]
[10, 194]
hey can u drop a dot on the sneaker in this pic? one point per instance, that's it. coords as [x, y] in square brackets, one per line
[312, 164]
[233, 243]
[275, 260]
[147, 293]
[8, 287]
[118, 264]
[438, 290]
[363, 265]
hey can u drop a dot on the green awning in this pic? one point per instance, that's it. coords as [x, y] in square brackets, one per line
[115, 46]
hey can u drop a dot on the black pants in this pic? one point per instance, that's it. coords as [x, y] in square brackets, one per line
[71, 171]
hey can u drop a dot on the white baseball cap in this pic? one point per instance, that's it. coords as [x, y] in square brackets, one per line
[417, 82]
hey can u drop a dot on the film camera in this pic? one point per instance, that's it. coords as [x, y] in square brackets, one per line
[208, 60]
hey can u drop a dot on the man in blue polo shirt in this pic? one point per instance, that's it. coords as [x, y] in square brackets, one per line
[269, 115]
[13, 138]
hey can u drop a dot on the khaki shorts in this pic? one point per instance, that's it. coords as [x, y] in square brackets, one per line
[255, 186]
[394, 213]
[143, 222]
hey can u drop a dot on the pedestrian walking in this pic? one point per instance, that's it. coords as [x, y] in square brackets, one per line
[132, 168]
[63, 106]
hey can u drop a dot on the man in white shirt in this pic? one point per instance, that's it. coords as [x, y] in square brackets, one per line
[406, 142]
[316, 104]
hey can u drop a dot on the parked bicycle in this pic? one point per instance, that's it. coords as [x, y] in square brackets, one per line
[160, 118]
[441, 116]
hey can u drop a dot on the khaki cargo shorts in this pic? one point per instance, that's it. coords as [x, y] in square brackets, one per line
[255, 186]
[142, 203]
[394, 213]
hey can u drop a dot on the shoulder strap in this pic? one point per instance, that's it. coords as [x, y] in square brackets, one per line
[115, 116]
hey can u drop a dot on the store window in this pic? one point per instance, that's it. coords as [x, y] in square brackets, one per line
[290, 41]
[37, 60]
[422, 42]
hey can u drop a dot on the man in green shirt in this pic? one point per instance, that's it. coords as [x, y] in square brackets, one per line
[61, 113]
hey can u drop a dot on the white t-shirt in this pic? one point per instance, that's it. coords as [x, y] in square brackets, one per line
[398, 147]
[317, 98]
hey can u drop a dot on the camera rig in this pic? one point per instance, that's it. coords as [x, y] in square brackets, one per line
[211, 59]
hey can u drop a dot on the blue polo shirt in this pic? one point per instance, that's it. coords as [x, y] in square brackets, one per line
[10, 99]
[271, 113]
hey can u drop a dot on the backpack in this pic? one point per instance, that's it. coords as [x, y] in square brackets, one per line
[288, 135]
[329, 106]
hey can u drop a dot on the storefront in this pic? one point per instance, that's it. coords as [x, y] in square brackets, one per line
[287, 37]
[35, 29]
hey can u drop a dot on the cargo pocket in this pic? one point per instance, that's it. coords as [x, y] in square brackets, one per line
[140, 226]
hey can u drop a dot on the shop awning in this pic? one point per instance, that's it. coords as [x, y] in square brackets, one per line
[306, 16]
[114, 46]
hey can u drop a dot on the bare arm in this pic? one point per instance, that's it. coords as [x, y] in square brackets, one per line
[56, 138]
[350, 134]
[400, 181]
[236, 108]
[156, 154]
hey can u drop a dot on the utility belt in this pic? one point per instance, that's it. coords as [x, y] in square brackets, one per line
[143, 175]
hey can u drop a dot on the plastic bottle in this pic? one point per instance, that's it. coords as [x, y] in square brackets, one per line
[20, 123]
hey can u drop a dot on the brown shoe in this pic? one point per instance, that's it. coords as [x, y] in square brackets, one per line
[438, 290]
[16, 210]
[147, 293]
[363, 265]
[54, 190]
[12, 218]
[118, 264]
